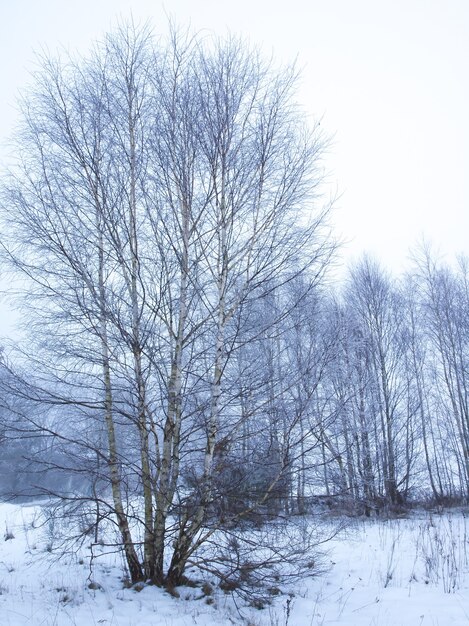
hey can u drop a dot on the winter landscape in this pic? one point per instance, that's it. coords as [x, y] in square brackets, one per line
[201, 420]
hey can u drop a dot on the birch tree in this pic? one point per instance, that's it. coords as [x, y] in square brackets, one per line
[444, 302]
[378, 307]
[160, 191]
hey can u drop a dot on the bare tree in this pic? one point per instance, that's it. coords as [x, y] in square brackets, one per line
[378, 309]
[444, 302]
[161, 190]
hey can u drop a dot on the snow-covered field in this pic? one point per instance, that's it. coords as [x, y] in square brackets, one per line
[398, 572]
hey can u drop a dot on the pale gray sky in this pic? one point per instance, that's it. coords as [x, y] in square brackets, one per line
[389, 78]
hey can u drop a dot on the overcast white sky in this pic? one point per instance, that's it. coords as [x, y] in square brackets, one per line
[389, 78]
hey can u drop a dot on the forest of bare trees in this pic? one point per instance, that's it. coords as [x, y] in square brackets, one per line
[187, 367]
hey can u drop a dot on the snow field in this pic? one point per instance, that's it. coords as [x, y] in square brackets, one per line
[398, 572]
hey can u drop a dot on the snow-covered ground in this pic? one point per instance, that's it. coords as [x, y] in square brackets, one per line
[397, 572]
